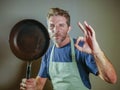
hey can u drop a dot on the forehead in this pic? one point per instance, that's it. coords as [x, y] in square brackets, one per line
[57, 19]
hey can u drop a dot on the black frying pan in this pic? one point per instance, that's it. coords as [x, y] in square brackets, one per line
[29, 40]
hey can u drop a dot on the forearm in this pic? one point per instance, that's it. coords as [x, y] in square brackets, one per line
[106, 69]
[40, 83]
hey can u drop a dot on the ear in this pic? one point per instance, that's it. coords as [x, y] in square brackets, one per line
[69, 29]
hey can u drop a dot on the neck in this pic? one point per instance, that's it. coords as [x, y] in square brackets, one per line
[63, 43]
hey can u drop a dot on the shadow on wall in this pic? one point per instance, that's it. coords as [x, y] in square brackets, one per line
[14, 84]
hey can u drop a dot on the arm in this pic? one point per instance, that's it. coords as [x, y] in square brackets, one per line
[106, 69]
[40, 82]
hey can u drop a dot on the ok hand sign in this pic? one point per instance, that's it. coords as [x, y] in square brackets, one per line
[89, 38]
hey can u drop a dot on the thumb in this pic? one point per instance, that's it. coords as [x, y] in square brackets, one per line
[79, 39]
[78, 47]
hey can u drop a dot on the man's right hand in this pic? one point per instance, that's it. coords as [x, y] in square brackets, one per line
[28, 84]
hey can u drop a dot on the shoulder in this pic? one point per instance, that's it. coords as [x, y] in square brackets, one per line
[47, 53]
[49, 50]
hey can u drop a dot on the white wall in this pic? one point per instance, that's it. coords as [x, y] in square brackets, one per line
[103, 15]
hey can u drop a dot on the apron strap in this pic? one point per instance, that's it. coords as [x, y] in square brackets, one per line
[72, 49]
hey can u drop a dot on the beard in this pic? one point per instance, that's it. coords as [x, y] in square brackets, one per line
[58, 37]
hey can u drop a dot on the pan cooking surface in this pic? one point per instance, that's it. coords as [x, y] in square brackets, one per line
[29, 39]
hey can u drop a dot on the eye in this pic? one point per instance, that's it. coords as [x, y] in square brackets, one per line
[61, 25]
[51, 26]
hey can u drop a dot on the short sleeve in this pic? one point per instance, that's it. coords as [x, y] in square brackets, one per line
[43, 72]
[91, 64]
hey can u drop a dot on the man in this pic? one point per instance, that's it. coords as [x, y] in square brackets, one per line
[69, 61]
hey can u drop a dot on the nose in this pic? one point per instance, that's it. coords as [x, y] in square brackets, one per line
[56, 29]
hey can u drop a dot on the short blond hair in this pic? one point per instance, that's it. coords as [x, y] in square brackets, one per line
[61, 12]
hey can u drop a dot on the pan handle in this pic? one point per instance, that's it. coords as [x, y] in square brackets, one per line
[28, 71]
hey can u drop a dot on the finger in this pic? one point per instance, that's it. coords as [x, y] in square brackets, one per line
[77, 43]
[31, 80]
[89, 32]
[78, 47]
[82, 28]
[89, 29]
[92, 31]
[79, 39]
[22, 86]
[24, 80]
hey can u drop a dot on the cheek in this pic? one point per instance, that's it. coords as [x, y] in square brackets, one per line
[64, 31]
[49, 31]
[64, 34]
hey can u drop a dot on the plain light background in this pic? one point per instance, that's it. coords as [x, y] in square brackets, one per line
[102, 15]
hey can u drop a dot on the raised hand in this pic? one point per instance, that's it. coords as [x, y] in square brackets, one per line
[89, 38]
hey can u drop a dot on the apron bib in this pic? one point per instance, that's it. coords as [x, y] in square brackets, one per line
[65, 75]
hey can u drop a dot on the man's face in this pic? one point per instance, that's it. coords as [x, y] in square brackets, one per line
[58, 28]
